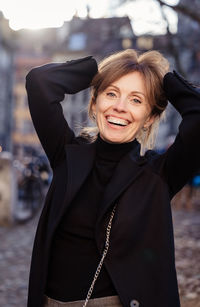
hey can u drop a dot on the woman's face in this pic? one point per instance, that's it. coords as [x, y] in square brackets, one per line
[122, 109]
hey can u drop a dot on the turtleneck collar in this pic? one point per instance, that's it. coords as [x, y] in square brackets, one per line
[114, 151]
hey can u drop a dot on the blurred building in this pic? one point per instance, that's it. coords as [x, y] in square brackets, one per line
[24, 137]
[98, 37]
[6, 77]
[32, 48]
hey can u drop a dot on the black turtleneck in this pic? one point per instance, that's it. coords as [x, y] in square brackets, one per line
[74, 255]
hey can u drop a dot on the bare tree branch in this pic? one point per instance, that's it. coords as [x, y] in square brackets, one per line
[171, 44]
[179, 8]
[183, 9]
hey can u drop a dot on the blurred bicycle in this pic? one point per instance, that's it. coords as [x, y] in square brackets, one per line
[31, 190]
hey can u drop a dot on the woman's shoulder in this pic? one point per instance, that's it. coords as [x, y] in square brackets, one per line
[155, 160]
[152, 155]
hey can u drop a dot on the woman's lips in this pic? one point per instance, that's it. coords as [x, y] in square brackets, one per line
[113, 120]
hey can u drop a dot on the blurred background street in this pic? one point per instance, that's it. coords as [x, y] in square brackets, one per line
[33, 33]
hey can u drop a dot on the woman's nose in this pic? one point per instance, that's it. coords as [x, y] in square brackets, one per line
[120, 105]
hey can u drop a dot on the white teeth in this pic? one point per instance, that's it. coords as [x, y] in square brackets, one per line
[117, 121]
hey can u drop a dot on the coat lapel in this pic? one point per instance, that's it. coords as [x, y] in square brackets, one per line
[80, 159]
[128, 169]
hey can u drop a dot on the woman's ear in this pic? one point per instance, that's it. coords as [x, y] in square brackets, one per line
[93, 107]
[150, 120]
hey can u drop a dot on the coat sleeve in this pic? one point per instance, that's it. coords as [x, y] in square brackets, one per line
[182, 159]
[46, 87]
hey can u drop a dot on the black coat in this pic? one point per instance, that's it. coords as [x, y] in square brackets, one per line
[140, 260]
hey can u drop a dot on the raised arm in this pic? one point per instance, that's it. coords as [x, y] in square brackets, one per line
[182, 159]
[46, 87]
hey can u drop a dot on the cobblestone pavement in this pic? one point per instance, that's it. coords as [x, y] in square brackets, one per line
[16, 245]
[187, 243]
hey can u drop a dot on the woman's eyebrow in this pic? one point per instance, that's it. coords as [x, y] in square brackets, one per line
[132, 92]
[137, 92]
[112, 85]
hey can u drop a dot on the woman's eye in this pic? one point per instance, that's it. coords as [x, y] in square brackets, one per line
[135, 100]
[111, 94]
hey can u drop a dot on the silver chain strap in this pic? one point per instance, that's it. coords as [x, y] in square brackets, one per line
[106, 246]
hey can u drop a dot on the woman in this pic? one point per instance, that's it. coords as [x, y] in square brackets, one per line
[108, 206]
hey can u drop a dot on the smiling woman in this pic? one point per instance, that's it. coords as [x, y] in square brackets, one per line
[129, 87]
[122, 110]
[105, 236]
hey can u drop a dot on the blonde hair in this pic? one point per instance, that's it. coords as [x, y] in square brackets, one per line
[153, 66]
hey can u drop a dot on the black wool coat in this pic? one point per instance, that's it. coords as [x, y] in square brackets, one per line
[140, 260]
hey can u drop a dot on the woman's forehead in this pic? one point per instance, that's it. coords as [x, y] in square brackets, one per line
[131, 82]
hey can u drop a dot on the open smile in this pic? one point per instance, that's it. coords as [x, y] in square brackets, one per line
[117, 121]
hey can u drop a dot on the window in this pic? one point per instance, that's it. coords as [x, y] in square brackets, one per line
[77, 41]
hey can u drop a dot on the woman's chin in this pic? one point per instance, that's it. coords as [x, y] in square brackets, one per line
[114, 139]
